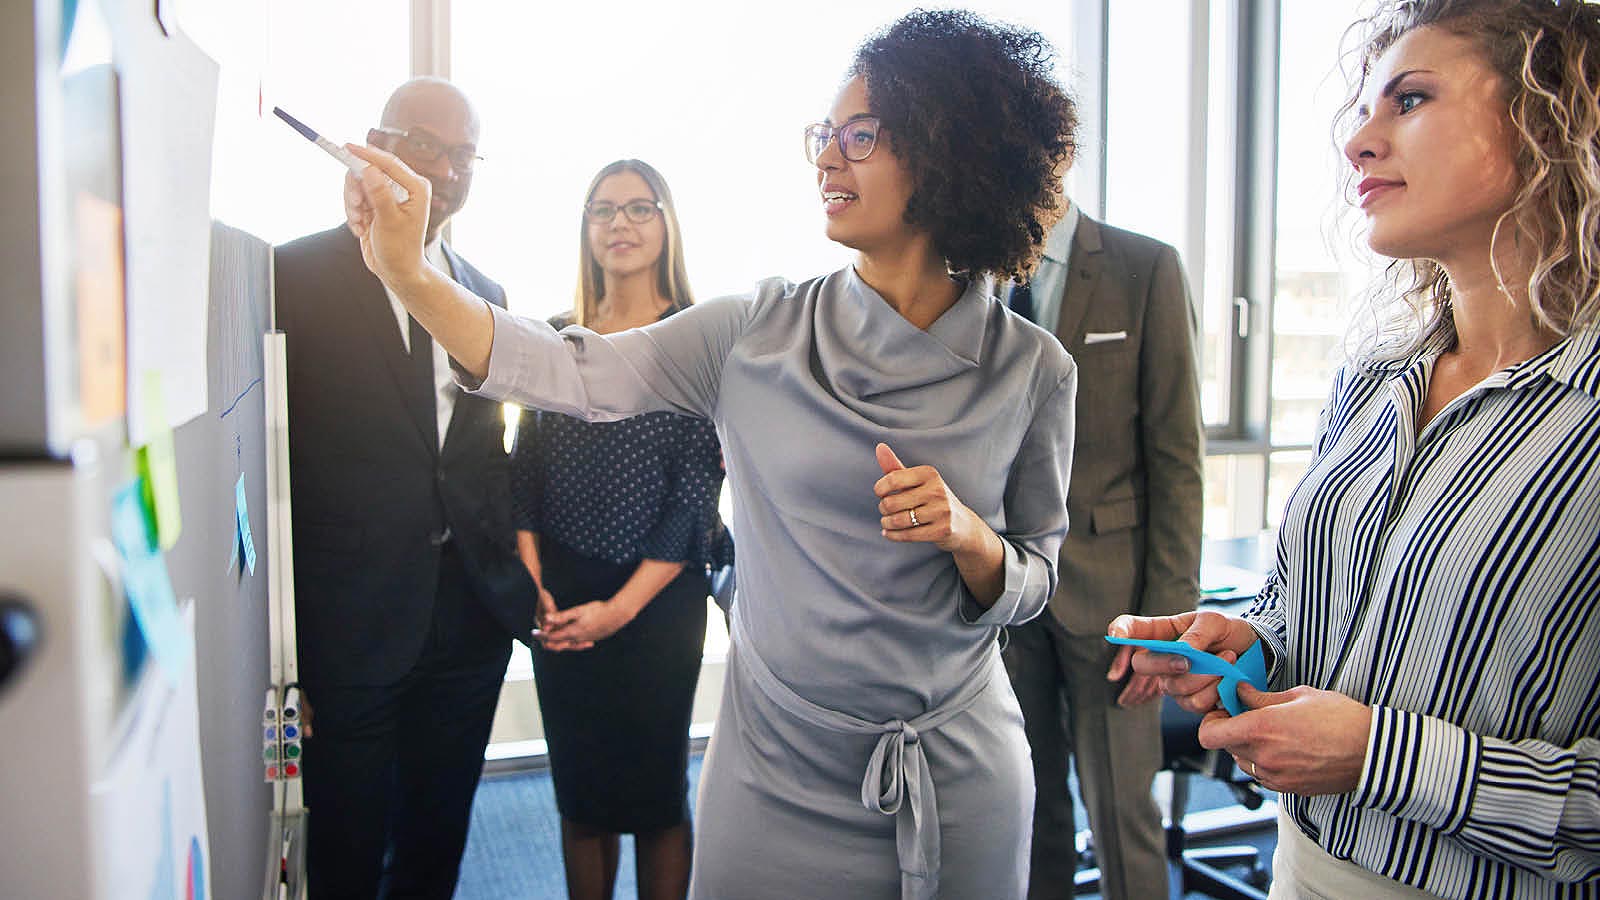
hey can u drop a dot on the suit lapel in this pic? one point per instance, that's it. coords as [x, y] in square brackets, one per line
[378, 321]
[1083, 280]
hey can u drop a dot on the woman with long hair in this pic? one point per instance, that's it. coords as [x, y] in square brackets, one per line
[618, 524]
[1433, 617]
[898, 444]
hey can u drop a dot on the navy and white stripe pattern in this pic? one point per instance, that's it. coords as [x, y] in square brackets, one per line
[1451, 580]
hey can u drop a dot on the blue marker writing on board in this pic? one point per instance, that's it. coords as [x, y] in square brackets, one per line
[352, 162]
[1251, 667]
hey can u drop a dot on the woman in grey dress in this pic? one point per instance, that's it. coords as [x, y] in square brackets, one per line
[898, 445]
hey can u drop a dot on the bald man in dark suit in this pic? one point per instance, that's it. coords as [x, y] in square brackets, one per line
[408, 589]
[1119, 303]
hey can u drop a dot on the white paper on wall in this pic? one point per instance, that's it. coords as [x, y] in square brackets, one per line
[148, 804]
[169, 107]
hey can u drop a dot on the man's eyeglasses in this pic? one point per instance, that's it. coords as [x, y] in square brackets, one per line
[857, 138]
[601, 212]
[425, 146]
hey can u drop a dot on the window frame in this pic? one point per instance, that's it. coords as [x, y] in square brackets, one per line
[1248, 146]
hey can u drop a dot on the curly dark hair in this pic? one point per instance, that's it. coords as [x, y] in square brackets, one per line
[974, 112]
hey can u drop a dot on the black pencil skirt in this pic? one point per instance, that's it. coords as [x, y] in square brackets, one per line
[616, 716]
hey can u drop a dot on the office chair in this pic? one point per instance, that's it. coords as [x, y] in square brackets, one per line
[1199, 868]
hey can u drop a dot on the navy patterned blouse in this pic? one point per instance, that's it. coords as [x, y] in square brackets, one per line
[640, 488]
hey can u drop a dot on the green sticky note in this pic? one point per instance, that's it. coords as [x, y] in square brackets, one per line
[159, 464]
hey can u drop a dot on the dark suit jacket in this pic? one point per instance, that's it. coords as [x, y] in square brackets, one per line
[1135, 502]
[371, 490]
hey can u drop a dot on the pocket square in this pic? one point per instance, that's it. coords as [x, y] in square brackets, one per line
[1103, 337]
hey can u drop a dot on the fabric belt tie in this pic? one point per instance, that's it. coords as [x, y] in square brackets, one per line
[897, 781]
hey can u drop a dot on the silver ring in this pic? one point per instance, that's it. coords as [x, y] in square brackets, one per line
[914, 518]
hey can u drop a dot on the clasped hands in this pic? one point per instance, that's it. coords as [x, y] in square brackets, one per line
[1301, 741]
[577, 627]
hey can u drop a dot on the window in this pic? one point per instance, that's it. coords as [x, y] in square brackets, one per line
[714, 101]
[1150, 73]
[1170, 163]
[1316, 276]
[1313, 280]
[1284, 474]
[1220, 141]
[266, 178]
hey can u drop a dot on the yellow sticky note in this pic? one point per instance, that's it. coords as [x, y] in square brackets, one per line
[159, 464]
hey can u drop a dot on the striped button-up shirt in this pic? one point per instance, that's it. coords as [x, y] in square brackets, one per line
[1451, 580]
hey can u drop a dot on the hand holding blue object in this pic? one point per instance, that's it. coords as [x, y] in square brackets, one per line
[1251, 667]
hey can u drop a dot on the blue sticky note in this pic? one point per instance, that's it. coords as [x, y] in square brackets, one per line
[146, 582]
[242, 513]
[1251, 667]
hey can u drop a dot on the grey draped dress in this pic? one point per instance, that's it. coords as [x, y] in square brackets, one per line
[868, 744]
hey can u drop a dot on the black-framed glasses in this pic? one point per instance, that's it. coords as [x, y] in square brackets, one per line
[857, 138]
[425, 146]
[601, 212]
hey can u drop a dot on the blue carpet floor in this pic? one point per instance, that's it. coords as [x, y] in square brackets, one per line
[514, 847]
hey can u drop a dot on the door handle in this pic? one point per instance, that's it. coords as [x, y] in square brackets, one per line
[19, 636]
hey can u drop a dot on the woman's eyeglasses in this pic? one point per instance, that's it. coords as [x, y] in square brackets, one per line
[601, 212]
[857, 139]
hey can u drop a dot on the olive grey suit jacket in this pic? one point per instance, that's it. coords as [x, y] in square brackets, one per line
[1135, 500]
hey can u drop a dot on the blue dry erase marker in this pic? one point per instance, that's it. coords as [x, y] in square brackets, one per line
[352, 162]
[1251, 667]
